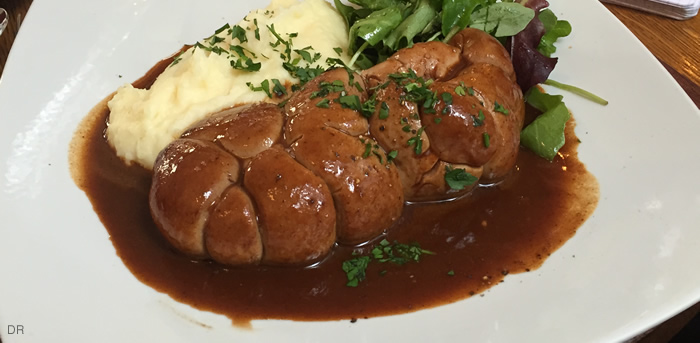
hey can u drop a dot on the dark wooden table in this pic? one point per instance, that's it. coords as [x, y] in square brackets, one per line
[675, 43]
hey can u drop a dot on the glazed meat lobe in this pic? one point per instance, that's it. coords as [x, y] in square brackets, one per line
[393, 134]
[295, 208]
[189, 177]
[243, 131]
[457, 130]
[431, 60]
[479, 48]
[333, 143]
[503, 104]
[232, 235]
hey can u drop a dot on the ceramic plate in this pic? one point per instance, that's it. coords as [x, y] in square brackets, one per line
[62, 281]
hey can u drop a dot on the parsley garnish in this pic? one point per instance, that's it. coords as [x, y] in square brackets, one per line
[499, 108]
[323, 104]
[355, 270]
[384, 111]
[279, 90]
[459, 90]
[457, 179]
[338, 50]
[326, 88]
[351, 101]
[447, 98]
[238, 32]
[221, 29]
[437, 120]
[368, 107]
[391, 155]
[470, 91]
[417, 141]
[478, 121]
[257, 29]
[264, 87]
[487, 140]
[368, 150]
[396, 253]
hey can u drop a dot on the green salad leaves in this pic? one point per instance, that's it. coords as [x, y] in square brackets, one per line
[554, 29]
[545, 135]
[380, 28]
[502, 19]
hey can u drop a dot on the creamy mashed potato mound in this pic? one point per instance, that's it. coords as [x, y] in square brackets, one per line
[142, 122]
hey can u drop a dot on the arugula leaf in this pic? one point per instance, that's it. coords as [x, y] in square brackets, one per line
[457, 179]
[376, 26]
[502, 18]
[554, 29]
[414, 24]
[347, 12]
[545, 135]
[456, 14]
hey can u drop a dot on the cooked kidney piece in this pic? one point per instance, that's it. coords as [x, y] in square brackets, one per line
[281, 185]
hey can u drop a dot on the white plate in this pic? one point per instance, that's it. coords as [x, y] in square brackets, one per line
[61, 279]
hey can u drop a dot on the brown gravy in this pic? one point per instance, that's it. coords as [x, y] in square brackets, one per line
[508, 228]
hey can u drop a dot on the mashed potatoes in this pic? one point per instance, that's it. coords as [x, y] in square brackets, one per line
[203, 81]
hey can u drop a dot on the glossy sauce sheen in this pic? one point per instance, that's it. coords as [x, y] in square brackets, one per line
[508, 228]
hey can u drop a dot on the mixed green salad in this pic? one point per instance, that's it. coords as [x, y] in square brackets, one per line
[526, 28]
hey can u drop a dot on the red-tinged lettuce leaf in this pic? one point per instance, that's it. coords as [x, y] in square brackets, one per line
[531, 66]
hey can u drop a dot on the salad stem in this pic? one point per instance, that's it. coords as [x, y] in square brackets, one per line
[434, 37]
[357, 54]
[578, 91]
[451, 34]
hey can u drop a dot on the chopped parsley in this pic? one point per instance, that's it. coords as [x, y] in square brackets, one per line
[487, 140]
[278, 89]
[257, 29]
[437, 120]
[221, 29]
[499, 108]
[447, 98]
[470, 91]
[417, 141]
[351, 101]
[459, 90]
[323, 104]
[368, 150]
[451, 273]
[391, 155]
[238, 32]
[384, 111]
[338, 50]
[326, 88]
[457, 179]
[264, 87]
[355, 270]
[396, 253]
[478, 120]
